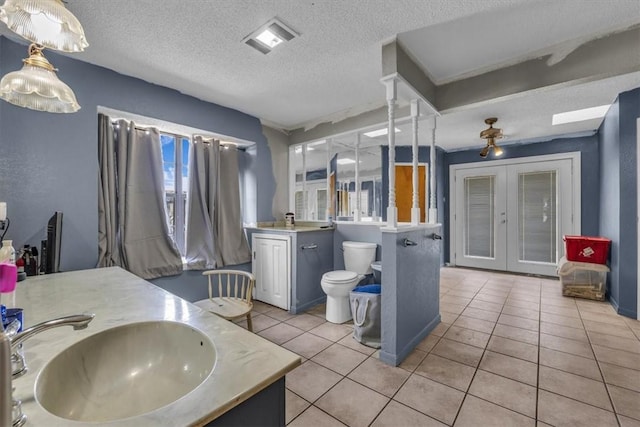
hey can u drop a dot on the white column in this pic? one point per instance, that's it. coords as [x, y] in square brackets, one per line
[433, 210]
[415, 206]
[392, 210]
[356, 216]
[330, 197]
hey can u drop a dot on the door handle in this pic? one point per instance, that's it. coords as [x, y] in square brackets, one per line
[407, 242]
[503, 221]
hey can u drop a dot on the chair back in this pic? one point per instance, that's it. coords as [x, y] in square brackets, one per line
[235, 284]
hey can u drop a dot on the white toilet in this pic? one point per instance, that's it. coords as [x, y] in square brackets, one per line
[358, 257]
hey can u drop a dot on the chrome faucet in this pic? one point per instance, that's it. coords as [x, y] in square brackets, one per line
[12, 365]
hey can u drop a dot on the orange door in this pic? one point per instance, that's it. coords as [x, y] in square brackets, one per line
[404, 191]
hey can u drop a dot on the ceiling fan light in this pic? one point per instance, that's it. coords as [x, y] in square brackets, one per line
[37, 87]
[497, 151]
[45, 22]
[484, 151]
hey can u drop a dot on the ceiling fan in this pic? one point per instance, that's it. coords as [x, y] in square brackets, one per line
[491, 134]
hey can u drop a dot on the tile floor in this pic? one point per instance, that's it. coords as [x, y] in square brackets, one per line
[510, 350]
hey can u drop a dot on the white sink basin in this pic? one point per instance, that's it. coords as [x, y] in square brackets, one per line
[125, 371]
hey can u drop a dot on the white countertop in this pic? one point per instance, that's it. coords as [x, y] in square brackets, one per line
[245, 363]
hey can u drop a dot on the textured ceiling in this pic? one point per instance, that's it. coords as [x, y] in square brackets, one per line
[333, 69]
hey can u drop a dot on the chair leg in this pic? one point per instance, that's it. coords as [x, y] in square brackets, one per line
[249, 323]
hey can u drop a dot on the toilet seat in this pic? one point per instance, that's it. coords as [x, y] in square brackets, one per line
[339, 276]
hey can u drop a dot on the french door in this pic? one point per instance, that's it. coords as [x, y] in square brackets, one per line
[512, 217]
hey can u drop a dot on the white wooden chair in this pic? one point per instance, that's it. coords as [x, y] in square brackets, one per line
[233, 299]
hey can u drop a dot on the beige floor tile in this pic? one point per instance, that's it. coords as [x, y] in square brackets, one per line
[446, 371]
[314, 417]
[446, 317]
[521, 296]
[617, 357]
[622, 377]
[353, 344]
[428, 343]
[566, 345]
[595, 306]
[515, 333]
[507, 393]
[564, 331]
[431, 398]
[411, 362]
[510, 367]
[452, 299]
[628, 422]
[447, 307]
[474, 324]
[497, 299]
[305, 321]
[294, 405]
[561, 320]
[467, 336]
[260, 322]
[527, 305]
[280, 333]
[279, 314]
[318, 310]
[561, 411]
[307, 345]
[560, 311]
[352, 403]
[488, 306]
[611, 318]
[462, 293]
[380, 377]
[396, 414]
[574, 386]
[331, 331]
[605, 328]
[310, 380]
[477, 313]
[570, 363]
[260, 307]
[626, 402]
[440, 330]
[619, 343]
[477, 412]
[459, 352]
[339, 358]
[513, 348]
[521, 312]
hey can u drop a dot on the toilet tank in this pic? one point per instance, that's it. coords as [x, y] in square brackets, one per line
[358, 256]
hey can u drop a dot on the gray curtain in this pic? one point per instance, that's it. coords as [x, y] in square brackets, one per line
[204, 159]
[141, 226]
[231, 242]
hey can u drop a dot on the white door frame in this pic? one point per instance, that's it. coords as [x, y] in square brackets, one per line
[574, 156]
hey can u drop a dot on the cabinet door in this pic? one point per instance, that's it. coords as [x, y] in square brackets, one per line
[271, 268]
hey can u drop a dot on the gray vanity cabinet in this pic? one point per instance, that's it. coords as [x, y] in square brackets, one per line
[313, 257]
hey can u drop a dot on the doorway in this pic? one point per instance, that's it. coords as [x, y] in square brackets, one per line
[510, 215]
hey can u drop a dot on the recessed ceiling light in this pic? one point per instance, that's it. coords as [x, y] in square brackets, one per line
[379, 132]
[270, 35]
[580, 115]
[345, 161]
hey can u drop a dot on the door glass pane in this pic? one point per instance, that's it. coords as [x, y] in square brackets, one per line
[537, 226]
[479, 194]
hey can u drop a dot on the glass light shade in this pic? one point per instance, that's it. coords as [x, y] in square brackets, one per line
[45, 22]
[36, 86]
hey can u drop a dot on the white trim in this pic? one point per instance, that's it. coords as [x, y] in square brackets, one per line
[575, 158]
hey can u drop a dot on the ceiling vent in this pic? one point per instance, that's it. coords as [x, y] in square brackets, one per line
[270, 35]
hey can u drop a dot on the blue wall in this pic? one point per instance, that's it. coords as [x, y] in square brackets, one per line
[619, 197]
[590, 166]
[49, 161]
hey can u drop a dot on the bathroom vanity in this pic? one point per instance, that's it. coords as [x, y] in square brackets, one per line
[298, 256]
[243, 383]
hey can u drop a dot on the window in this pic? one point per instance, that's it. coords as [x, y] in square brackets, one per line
[176, 185]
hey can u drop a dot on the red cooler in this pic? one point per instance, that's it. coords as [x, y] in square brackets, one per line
[587, 249]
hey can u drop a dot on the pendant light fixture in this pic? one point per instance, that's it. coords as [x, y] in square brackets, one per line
[491, 134]
[44, 22]
[36, 86]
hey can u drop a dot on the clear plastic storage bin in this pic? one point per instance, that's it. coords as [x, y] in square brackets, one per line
[583, 280]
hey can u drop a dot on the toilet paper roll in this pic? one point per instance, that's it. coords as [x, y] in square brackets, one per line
[3, 211]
